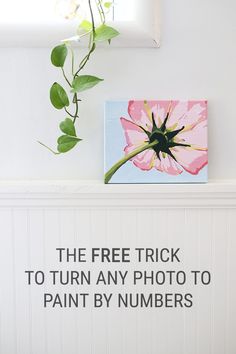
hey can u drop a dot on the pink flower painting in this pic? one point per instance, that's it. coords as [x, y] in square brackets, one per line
[168, 137]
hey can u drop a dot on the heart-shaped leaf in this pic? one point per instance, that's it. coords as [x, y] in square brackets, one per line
[58, 55]
[85, 26]
[107, 4]
[84, 82]
[105, 33]
[66, 143]
[58, 96]
[67, 127]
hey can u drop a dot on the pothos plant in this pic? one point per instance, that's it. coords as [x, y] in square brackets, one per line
[67, 97]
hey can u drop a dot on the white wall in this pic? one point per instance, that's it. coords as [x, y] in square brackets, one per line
[196, 60]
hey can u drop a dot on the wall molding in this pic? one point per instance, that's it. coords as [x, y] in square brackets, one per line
[142, 32]
[41, 194]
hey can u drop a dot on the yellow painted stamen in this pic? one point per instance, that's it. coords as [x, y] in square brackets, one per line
[148, 110]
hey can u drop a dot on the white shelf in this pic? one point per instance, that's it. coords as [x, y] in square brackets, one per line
[97, 186]
[88, 193]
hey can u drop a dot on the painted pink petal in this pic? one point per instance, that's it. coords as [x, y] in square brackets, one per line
[145, 160]
[196, 137]
[134, 135]
[163, 107]
[197, 112]
[141, 113]
[167, 164]
[178, 110]
[190, 159]
[186, 114]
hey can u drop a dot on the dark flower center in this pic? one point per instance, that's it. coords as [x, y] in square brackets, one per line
[164, 138]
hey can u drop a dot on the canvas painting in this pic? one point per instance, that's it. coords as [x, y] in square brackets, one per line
[156, 141]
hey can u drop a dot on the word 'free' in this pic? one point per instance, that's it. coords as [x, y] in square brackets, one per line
[118, 255]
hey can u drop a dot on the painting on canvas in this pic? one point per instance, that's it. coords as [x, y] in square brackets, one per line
[156, 141]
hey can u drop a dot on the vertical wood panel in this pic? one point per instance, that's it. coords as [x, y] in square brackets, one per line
[115, 316]
[159, 319]
[204, 292]
[190, 256]
[146, 234]
[8, 287]
[37, 262]
[98, 319]
[52, 239]
[22, 262]
[175, 231]
[29, 238]
[83, 220]
[219, 296]
[129, 317]
[68, 315]
[230, 308]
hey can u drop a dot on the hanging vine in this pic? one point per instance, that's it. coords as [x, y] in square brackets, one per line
[68, 99]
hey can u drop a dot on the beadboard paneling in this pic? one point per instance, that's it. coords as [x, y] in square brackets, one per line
[34, 223]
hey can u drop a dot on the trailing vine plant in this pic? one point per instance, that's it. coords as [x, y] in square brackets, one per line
[68, 99]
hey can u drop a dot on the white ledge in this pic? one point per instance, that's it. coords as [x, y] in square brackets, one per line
[47, 35]
[94, 193]
[97, 186]
[45, 29]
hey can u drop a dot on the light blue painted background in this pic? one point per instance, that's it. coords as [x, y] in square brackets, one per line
[114, 150]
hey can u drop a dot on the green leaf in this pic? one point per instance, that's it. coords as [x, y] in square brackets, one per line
[85, 25]
[67, 127]
[66, 143]
[107, 4]
[58, 55]
[84, 82]
[58, 96]
[104, 33]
